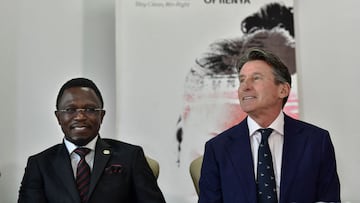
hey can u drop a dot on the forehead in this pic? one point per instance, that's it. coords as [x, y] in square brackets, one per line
[79, 95]
[255, 66]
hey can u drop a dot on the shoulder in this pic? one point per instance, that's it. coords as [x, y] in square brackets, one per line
[303, 125]
[122, 151]
[120, 145]
[304, 130]
[47, 155]
[234, 132]
[49, 151]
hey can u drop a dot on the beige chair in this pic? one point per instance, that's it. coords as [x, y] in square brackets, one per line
[154, 165]
[195, 171]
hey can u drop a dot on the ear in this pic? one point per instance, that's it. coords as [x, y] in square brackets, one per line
[57, 114]
[102, 115]
[284, 90]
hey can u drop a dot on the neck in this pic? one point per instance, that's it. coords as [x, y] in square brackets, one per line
[265, 120]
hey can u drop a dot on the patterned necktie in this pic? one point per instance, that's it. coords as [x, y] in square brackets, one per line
[83, 174]
[266, 185]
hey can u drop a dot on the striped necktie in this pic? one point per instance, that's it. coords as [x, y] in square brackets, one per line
[83, 174]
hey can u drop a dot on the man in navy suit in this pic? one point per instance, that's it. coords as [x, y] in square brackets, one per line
[119, 171]
[302, 154]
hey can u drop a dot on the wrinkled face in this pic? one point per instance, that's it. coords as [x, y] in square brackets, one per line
[258, 93]
[78, 115]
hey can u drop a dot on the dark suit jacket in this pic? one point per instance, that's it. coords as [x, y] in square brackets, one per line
[122, 175]
[308, 172]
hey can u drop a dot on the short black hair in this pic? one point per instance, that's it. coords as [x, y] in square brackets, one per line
[79, 82]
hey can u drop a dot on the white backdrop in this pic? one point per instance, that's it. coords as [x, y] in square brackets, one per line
[325, 61]
[157, 45]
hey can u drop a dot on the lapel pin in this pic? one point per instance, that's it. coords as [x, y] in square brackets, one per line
[106, 151]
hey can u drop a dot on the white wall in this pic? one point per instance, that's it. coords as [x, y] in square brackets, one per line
[46, 42]
[8, 159]
[327, 37]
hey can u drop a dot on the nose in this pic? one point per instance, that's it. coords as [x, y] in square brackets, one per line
[245, 84]
[80, 113]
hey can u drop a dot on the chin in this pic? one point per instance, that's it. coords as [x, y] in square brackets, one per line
[80, 141]
[246, 110]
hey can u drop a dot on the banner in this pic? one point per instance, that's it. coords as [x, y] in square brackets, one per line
[176, 76]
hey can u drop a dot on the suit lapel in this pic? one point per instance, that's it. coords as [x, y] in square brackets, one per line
[293, 148]
[63, 170]
[102, 155]
[239, 151]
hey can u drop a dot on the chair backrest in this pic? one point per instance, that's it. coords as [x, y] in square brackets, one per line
[195, 171]
[154, 165]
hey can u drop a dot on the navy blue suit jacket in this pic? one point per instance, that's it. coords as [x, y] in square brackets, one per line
[308, 171]
[120, 174]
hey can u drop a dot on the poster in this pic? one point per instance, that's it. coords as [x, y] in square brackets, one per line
[176, 81]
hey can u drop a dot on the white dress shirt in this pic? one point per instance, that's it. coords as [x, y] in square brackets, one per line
[75, 158]
[276, 141]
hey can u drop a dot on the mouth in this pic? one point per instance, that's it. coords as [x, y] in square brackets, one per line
[79, 127]
[248, 98]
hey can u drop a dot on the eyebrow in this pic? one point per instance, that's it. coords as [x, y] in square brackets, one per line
[256, 73]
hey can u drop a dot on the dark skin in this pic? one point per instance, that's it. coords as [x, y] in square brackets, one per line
[80, 128]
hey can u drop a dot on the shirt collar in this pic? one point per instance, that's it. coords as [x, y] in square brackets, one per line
[71, 146]
[277, 125]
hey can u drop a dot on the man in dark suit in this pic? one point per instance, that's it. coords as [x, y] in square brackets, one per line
[303, 168]
[119, 171]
